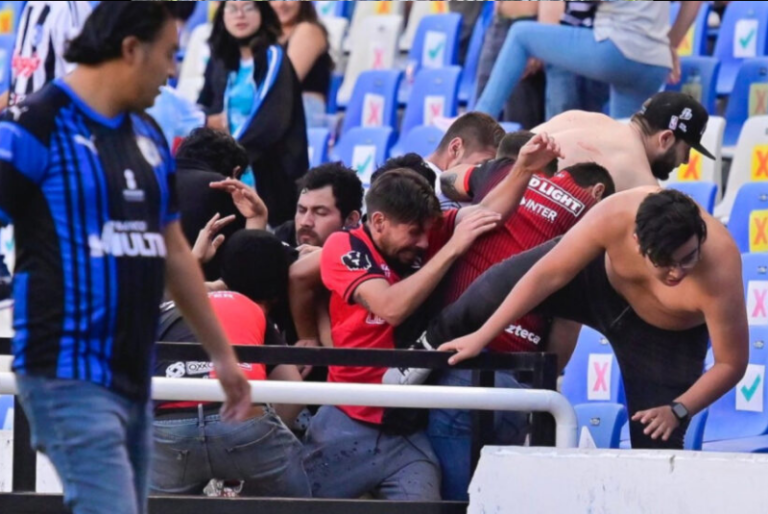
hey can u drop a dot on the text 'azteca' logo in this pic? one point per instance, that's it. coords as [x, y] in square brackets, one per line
[557, 194]
[127, 239]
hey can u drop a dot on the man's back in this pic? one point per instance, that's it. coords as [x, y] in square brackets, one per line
[591, 137]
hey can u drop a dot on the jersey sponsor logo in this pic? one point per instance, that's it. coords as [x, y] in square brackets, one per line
[199, 368]
[536, 208]
[90, 144]
[518, 331]
[149, 150]
[176, 370]
[25, 67]
[127, 239]
[356, 261]
[373, 319]
[16, 112]
[132, 193]
[556, 194]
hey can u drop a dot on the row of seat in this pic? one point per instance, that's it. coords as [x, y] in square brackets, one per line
[736, 422]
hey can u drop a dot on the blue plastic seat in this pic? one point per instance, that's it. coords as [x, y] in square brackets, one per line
[422, 140]
[471, 63]
[747, 222]
[437, 42]
[699, 79]
[338, 9]
[10, 17]
[510, 126]
[704, 193]
[743, 29]
[6, 412]
[7, 42]
[318, 146]
[435, 94]
[700, 28]
[374, 100]
[604, 422]
[749, 98]
[593, 357]
[738, 422]
[364, 149]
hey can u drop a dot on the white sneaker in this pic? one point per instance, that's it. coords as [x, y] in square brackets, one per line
[409, 376]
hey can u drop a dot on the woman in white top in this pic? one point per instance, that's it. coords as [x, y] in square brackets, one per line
[631, 48]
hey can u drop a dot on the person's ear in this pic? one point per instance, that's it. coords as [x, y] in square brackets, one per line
[378, 220]
[456, 147]
[353, 219]
[637, 242]
[598, 190]
[132, 49]
[667, 140]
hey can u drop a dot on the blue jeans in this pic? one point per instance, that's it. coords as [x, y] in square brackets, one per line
[98, 441]
[450, 432]
[567, 91]
[260, 451]
[573, 49]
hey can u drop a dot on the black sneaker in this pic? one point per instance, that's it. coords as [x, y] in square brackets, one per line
[409, 376]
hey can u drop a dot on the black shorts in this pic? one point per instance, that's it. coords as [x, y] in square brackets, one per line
[657, 365]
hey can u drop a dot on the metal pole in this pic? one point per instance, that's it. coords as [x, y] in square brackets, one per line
[417, 397]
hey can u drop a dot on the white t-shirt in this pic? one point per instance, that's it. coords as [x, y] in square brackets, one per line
[640, 30]
[44, 31]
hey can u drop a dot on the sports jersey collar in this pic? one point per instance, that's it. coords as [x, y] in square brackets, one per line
[400, 269]
[112, 123]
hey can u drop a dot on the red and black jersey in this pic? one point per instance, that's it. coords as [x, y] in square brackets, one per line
[550, 207]
[349, 259]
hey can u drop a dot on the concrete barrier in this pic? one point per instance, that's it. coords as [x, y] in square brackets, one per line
[547, 481]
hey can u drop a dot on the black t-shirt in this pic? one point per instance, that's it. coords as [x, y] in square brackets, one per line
[287, 233]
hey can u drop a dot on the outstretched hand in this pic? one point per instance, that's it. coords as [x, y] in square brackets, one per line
[537, 153]
[247, 201]
[209, 240]
[465, 347]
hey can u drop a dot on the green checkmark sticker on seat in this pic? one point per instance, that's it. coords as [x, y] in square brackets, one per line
[744, 41]
[434, 52]
[365, 164]
[749, 392]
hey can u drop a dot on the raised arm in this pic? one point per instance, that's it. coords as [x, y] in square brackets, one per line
[580, 246]
[533, 157]
[454, 183]
[395, 303]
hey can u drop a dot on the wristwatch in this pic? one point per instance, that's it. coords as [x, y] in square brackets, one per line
[680, 412]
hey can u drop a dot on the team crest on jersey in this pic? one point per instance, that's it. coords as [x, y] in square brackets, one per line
[149, 151]
[356, 261]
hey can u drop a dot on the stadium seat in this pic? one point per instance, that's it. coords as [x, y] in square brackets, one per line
[755, 279]
[750, 162]
[434, 95]
[418, 11]
[363, 149]
[192, 73]
[337, 29]
[592, 374]
[603, 422]
[332, 10]
[7, 42]
[749, 98]
[699, 79]
[748, 222]
[200, 16]
[695, 41]
[703, 192]
[738, 419]
[362, 11]
[436, 43]
[374, 100]
[373, 48]
[6, 412]
[694, 437]
[510, 126]
[318, 146]
[742, 36]
[422, 140]
[10, 16]
[469, 76]
[700, 168]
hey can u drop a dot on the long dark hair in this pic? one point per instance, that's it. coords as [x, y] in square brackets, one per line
[227, 48]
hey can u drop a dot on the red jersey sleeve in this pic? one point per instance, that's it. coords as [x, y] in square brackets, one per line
[346, 263]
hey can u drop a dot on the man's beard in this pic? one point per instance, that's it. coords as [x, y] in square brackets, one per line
[664, 165]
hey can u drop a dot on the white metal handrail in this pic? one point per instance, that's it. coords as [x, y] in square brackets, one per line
[373, 395]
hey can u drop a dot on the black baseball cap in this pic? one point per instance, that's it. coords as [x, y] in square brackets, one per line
[681, 114]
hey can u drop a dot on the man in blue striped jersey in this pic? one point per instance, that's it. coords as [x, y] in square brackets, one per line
[88, 182]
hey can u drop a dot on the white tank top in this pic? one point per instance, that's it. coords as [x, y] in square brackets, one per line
[640, 30]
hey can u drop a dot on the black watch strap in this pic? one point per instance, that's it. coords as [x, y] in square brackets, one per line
[680, 411]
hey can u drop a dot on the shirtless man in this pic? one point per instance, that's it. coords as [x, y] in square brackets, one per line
[656, 142]
[652, 272]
